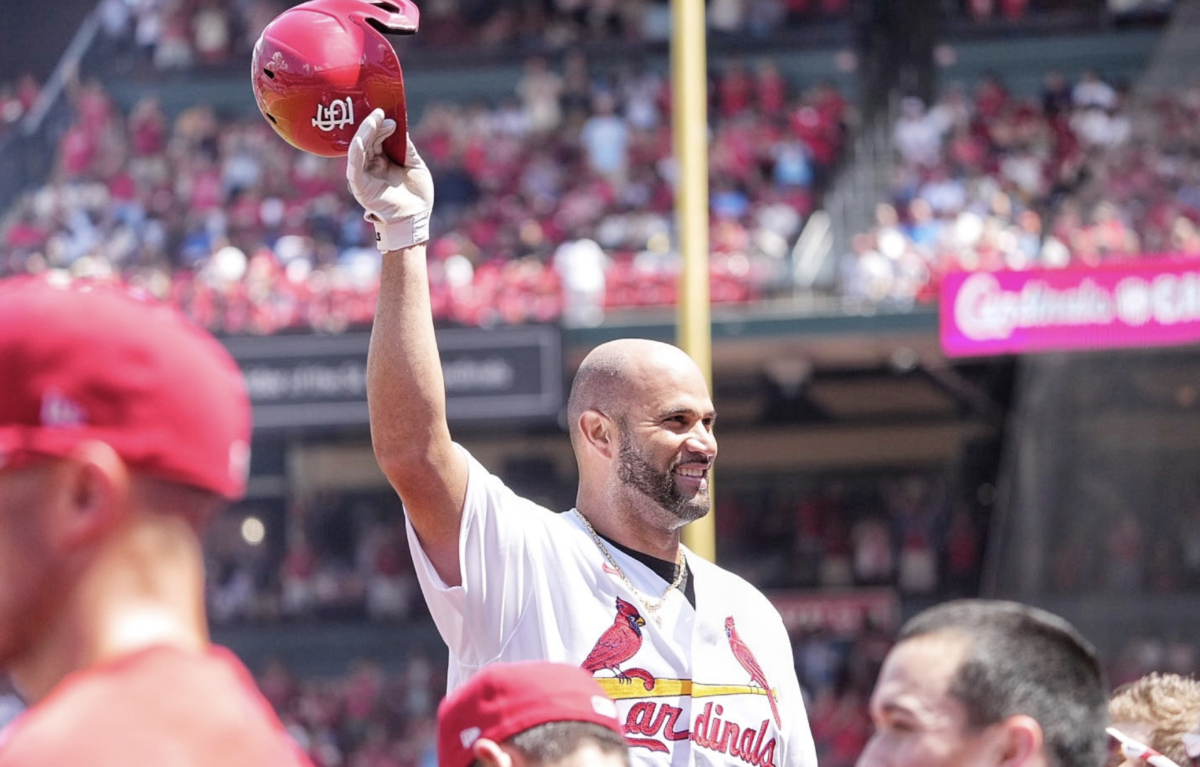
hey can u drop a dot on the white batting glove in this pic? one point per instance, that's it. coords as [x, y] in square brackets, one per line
[397, 200]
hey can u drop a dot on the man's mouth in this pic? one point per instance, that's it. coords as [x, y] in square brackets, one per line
[693, 474]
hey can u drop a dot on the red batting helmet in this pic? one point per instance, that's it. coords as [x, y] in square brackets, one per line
[321, 67]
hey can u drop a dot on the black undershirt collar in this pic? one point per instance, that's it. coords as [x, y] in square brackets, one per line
[663, 569]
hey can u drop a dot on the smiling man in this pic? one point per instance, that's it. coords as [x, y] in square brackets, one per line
[698, 660]
[979, 683]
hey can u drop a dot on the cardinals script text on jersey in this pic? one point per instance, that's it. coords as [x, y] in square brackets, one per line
[713, 685]
[652, 725]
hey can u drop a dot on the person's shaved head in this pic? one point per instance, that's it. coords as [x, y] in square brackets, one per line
[641, 426]
[615, 373]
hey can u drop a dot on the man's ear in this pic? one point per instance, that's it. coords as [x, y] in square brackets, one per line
[598, 432]
[491, 754]
[95, 493]
[1022, 742]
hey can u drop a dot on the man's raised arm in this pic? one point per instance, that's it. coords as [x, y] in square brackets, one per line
[405, 390]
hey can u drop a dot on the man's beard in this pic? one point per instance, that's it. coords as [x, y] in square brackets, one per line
[637, 473]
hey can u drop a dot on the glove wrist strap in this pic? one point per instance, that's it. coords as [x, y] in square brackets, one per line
[395, 235]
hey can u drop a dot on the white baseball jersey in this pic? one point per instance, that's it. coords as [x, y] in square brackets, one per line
[697, 690]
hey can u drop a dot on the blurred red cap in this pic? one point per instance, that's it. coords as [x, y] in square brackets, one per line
[84, 361]
[506, 699]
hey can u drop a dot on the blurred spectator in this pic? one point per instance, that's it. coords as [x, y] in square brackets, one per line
[540, 90]
[734, 90]
[1057, 96]
[642, 92]
[605, 139]
[1125, 556]
[581, 266]
[1161, 711]
[17, 100]
[874, 551]
[963, 555]
[390, 585]
[916, 136]
[1093, 92]
[727, 16]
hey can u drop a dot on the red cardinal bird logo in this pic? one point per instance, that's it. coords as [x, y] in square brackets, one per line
[619, 643]
[746, 658]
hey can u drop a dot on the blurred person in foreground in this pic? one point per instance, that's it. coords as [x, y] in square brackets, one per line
[988, 684]
[698, 660]
[123, 430]
[1155, 720]
[530, 714]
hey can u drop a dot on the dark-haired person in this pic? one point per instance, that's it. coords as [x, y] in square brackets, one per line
[984, 683]
[123, 430]
[530, 714]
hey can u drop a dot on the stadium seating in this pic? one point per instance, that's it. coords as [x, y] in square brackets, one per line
[210, 210]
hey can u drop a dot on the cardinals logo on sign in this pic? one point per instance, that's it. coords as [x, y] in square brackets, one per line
[337, 115]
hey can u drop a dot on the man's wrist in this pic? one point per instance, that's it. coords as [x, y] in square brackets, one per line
[395, 235]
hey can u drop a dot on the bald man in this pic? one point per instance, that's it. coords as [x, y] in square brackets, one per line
[698, 660]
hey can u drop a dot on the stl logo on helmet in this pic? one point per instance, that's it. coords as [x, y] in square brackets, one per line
[336, 116]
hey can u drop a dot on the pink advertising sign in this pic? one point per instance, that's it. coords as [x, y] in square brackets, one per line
[1149, 302]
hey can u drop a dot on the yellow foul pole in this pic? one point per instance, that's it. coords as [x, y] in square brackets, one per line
[689, 87]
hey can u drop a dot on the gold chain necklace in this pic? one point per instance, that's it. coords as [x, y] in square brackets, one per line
[651, 607]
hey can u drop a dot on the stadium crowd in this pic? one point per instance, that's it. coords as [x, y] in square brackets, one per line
[554, 203]
[985, 180]
[189, 35]
[195, 35]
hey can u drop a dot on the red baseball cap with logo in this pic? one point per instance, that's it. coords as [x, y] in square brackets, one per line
[506, 699]
[82, 360]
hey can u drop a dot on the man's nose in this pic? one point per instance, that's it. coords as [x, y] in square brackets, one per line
[702, 440]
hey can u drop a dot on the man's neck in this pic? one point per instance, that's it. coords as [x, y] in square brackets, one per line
[144, 589]
[668, 570]
[635, 533]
